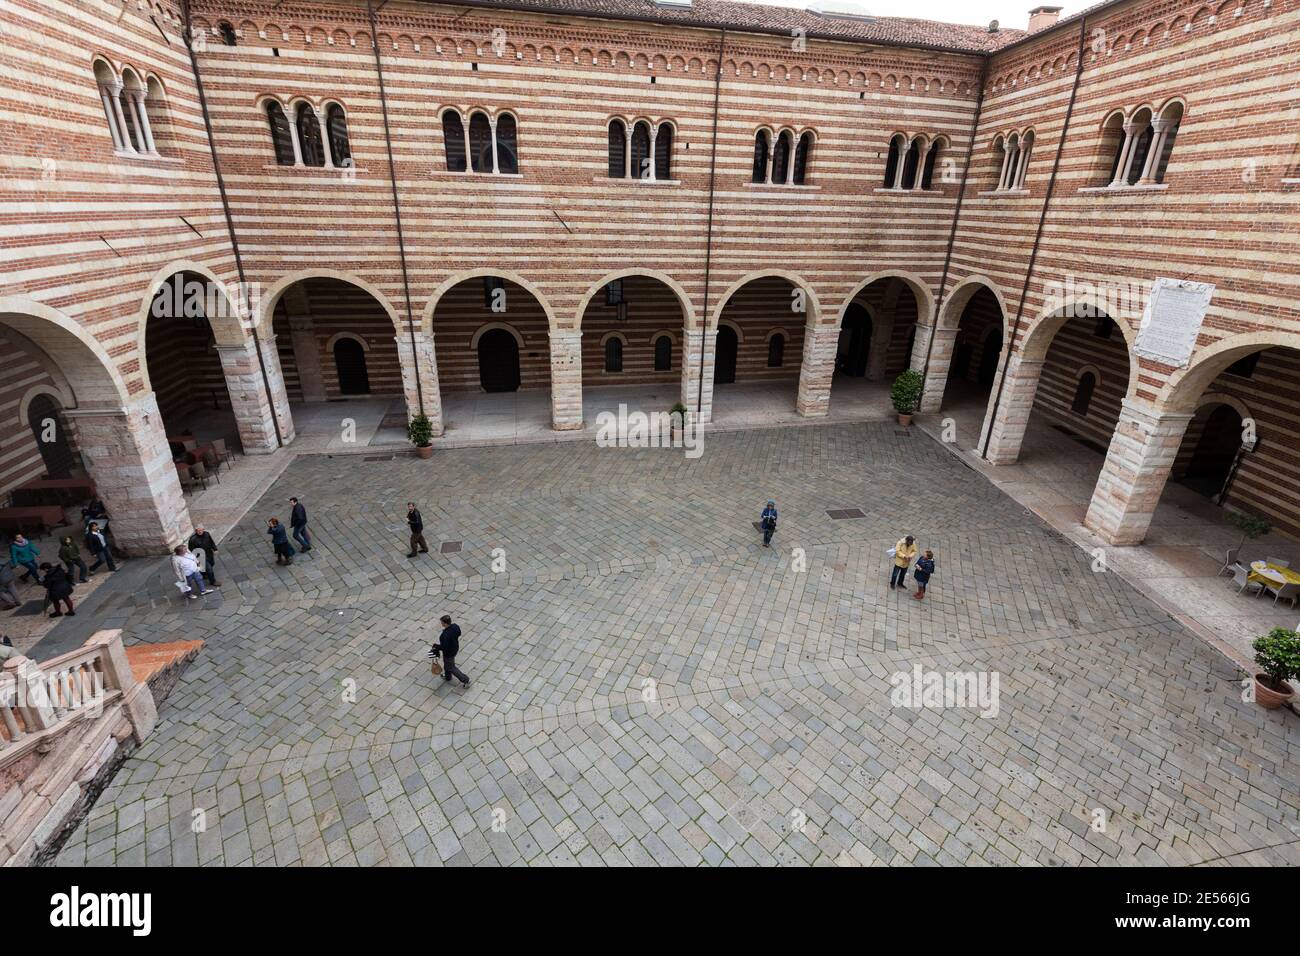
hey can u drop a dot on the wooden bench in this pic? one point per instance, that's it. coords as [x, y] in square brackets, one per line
[54, 491]
[22, 519]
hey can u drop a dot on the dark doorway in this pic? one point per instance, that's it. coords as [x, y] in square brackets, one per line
[51, 437]
[855, 342]
[961, 356]
[989, 359]
[1215, 452]
[350, 361]
[498, 361]
[724, 362]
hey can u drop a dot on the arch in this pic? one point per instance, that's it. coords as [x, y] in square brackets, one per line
[78, 354]
[426, 321]
[329, 345]
[266, 306]
[776, 330]
[622, 337]
[659, 333]
[924, 297]
[688, 312]
[1187, 385]
[57, 391]
[1037, 339]
[814, 308]
[960, 297]
[227, 329]
[735, 327]
[1221, 398]
[489, 326]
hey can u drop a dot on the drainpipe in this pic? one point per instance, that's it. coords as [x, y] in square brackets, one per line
[397, 206]
[708, 236]
[952, 233]
[1038, 235]
[188, 39]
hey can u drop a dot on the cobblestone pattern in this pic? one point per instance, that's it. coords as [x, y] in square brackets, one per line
[650, 685]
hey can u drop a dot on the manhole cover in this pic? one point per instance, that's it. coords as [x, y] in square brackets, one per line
[841, 514]
[30, 608]
[450, 547]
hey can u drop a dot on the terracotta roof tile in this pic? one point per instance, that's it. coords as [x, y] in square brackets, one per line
[762, 17]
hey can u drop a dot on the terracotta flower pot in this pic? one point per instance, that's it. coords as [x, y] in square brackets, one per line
[904, 419]
[1269, 698]
[424, 451]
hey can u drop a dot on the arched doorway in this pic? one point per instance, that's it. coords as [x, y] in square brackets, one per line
[1210, 450]
[976, 351]
[854, 348]
[498, 361]
[350, 366]
[725, 356]
[990, 352]
[49, 430]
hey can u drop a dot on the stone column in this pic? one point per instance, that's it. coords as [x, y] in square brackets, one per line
[816, 371]
[279, 394]
[919, 346]
[1005, 430]
[306, 355]
[424, 363]
[248, 396]
[126, 452]
[566, 379]
[700, 406]
[1138, 463]
[936, 376]
[882, 330]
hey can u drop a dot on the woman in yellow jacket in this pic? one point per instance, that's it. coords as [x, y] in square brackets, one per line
[904, 552]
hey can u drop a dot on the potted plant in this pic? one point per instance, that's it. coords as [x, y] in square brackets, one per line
[1251, 526]
[905, 393]
[677, 417]
[420, 431]
[1278, 655]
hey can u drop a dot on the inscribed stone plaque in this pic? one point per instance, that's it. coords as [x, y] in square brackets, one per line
[1172, 320]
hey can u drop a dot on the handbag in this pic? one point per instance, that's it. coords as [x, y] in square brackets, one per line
[435, 668]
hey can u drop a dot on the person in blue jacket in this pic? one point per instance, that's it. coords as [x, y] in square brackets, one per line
[22, 554]
[767, 522]
[924, 568]
[280, 541]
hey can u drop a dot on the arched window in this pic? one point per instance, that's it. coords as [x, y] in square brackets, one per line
[931, 157]
[641, 168]
[336, 125]
[507, 144]
[132, 100]
[1138, 160]
[453, 139]
[776, 351]
[309, 141]
[617, 149]
[480, 143]
[663, 354]
[1083, 393]
[228, 36]
[781, 158]
[1026, 149]
[910, 163]
[1171, 117]
[761, 143]
[892, 162]
[613, 354]
[1113, 139]
[1010, 162]
[663, 151]
[281, 134]
[801, 153]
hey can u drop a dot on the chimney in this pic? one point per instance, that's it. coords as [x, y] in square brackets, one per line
[1040, 18]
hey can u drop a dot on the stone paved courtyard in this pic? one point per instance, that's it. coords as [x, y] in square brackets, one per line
[651, 686]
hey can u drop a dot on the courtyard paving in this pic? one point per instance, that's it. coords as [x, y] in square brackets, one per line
[651, 686]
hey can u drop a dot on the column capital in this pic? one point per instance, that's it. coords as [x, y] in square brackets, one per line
[1149, 415]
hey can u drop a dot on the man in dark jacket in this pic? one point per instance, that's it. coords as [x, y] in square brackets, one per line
[298, 521]
[58, 587]
[417, 529]
[449, 646]
[97, 545]
[202, 540]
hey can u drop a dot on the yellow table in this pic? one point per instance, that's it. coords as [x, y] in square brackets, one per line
[1261, 572]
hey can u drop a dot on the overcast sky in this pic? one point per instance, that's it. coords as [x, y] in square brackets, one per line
[1010, 13]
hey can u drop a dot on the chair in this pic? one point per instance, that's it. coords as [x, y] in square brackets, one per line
[225, 454]
[1233, 555]
[1241, 577]
[1290, 591]
[200, 473]
[189, 444]
[212, 463]
[1277, 562]
[184, 476]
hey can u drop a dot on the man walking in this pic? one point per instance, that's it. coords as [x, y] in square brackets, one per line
[449, 646]
[417, 530]
[187, 572]
[768, 523]
[298, 521]
[22, 554]
[202, 541]
[904, 552]
[97, 545]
